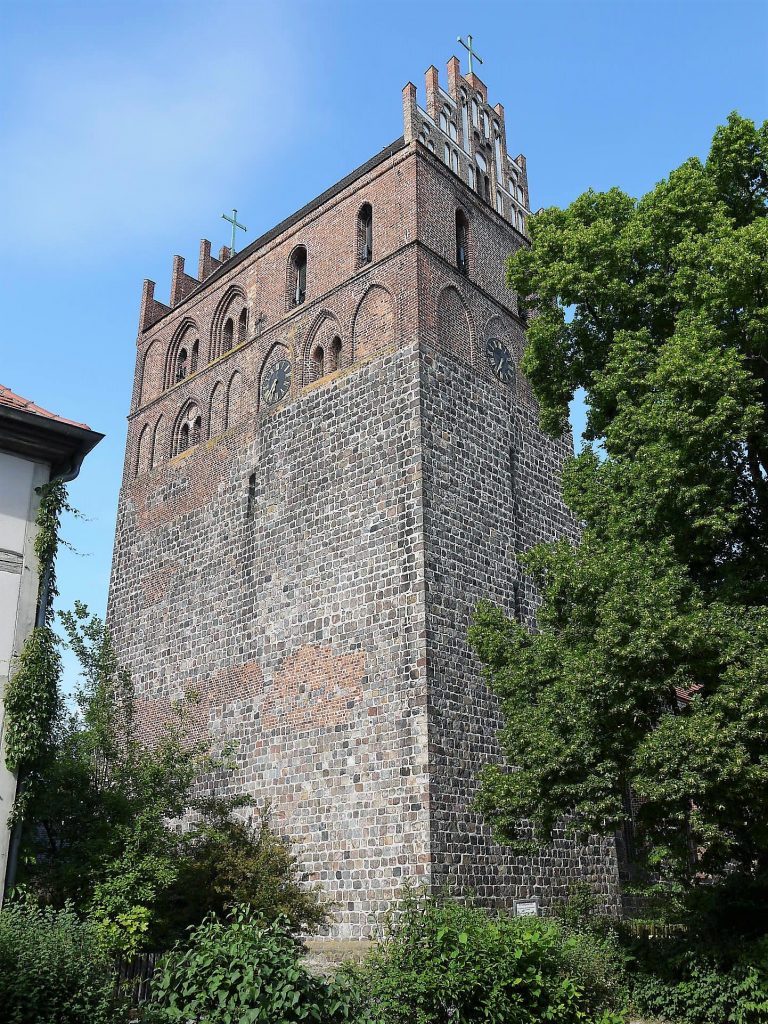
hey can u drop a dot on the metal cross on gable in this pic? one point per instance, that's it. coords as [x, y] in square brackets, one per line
[235, 225]
[472, 53]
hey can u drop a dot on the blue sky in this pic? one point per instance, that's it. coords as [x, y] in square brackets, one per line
[128, 128]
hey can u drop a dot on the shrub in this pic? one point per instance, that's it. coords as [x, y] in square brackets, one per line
[446, 960]
[53, 968]
[242, 970]
[709, 985]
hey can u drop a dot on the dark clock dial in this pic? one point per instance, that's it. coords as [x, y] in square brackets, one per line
[501, 360]
[277, 382]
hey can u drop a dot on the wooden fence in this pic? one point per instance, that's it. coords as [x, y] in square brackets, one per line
[134, 976]
[652, 929]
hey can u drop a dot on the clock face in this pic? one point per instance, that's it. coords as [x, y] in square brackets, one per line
[500, 358]
[277, 382]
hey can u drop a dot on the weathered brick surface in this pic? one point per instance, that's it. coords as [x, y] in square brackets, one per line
[309, 566]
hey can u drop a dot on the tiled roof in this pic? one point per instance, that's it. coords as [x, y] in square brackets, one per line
[14, 401]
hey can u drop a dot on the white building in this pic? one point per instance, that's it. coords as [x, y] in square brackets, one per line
[36, 446]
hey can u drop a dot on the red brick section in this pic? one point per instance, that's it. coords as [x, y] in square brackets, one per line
[13, 401]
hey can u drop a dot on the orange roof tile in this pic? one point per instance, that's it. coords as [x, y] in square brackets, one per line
[14, 401]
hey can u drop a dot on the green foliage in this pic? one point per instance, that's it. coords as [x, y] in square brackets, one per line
[648, 669]
[444, 960]
[242, 970]
[227, 861]
[100, 832]
[31, 696]
[690, 985]
[53, 969]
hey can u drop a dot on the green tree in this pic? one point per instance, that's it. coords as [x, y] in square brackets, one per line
[647, 671]
[102, 831]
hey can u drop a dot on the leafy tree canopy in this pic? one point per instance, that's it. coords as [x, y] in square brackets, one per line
[648, 668]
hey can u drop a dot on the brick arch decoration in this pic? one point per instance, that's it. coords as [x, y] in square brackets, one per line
[143, 457]
[189, 411]
[322, 332]
[374, 324]
[186, 333]
[278, 351]
[158, 443]
[455, 333]
[217, 409]
[151, 373]
[235, 400]
[231, 304]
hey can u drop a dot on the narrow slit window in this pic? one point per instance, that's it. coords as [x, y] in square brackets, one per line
[195, 356]
[181, 365]
[318, 363]
[242, 326]
[299, 274]
[462, 242]
[251, 502]
[229, 334]
[336, 353]
[365, 235]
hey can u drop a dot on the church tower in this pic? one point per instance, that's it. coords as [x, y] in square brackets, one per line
[332, 456]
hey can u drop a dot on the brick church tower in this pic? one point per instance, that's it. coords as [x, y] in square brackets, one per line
[332, 456]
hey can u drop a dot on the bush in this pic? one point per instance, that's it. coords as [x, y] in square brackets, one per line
[445, 960]
[242, 970]
[689, 985]
[53, 968]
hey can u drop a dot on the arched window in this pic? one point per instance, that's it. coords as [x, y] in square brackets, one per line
[462, 243]
[452, 130]
[336, 353]
[318, 362]
[487, 183]
[448, 154]
[242, 325]
[181, 365]
[474, 112]
[189, 430]
[365, 234]
[443, 122]
[228, 335]
[298, 281]
[455, 161]
[499, 203]
[471, 176]
[464, 124]
[431, 146]
[195, 355]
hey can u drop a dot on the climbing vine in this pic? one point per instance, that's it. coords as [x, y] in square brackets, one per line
[32, 695]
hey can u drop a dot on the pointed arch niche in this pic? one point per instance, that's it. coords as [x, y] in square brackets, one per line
[374, 325]
[324, 350]
[183, 353]
[229, 326]
[454, 324]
